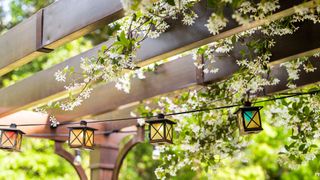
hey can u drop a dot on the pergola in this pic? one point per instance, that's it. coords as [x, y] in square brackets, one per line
[66, 20]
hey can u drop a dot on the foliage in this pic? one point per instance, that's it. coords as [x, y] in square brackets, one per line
[37, 160]
[258, 161]
[113, 59]
[14, 11]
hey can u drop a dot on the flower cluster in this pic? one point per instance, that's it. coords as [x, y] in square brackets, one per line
[248, 12]
[301, 117]
[307, 13]
[216, 23]
[201, 138]
[294, 68]
[149, 21]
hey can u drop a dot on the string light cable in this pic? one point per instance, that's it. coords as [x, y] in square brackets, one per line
[282, 96]
[67, 135]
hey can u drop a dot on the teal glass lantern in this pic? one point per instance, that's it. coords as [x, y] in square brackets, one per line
[249, 119]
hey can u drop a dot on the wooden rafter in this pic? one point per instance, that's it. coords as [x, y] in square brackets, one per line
[174, 75]
[53, 26]
[42, 87]
[59, 23]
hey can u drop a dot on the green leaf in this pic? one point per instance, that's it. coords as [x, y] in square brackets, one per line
[171, 2]
[211, 3]
[287, 147]
[305, 150]
[71, 69]
[234, 39]
[103, 48]
[306, 110]
[313, 146]
[301, 147]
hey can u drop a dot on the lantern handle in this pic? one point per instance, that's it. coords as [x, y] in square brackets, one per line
[83, 123]
[247, 103]
[160, 116]
[13, 125]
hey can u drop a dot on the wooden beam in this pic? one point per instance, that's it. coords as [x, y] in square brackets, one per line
[42, 87]
[169, 79]
[182, 38]
[280, 72]
[107, 98]
[60, 22]
[66, 20]
[21, 44]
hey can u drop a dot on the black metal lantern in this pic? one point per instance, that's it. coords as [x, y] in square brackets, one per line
[11, 138]
[249, 119]
[161, 130]
[81, 136]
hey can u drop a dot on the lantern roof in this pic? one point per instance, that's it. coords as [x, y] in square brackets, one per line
[83, 125]
[13, 127]
[248, 108]
[160, 118]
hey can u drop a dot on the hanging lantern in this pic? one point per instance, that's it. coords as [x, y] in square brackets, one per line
[81, 136]
[161, 130]
[11, 138]
[249, 119]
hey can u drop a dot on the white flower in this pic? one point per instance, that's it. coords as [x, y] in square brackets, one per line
[60, 76]
[141, 121]
[268, 6]
[53, 121]
[132, 114]
[140, 74]
[123, 83]
[310, 157]
[189, 18]
[86, 93]
[216, 23]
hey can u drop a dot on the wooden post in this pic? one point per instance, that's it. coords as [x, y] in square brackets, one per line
[103, 158]
[106, 159]
[69, 157]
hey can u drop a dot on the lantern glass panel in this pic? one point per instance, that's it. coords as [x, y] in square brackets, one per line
[8, 139]
[19, 140]
[252, 119]
[157, 131]
[76, 137]
[89, 138]
[169, 131]
[240, 121]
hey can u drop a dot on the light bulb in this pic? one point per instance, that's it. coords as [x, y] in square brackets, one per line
[156, 153]
[77, 159]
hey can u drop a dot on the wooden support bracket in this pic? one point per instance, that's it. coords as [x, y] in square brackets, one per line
[58, 149]
[138, 138]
